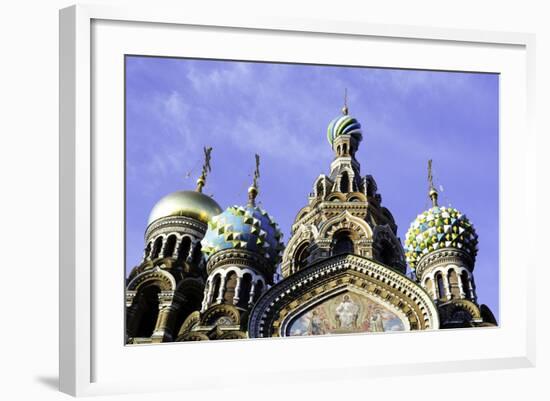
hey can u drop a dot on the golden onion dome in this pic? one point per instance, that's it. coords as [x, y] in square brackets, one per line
[192, 204]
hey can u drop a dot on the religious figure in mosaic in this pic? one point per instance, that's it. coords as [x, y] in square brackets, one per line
[347, 313]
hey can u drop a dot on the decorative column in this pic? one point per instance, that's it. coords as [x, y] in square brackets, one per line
[166, 307]
[132, 310]
[161, 253]
[237, 291]
[207, 299]
[434, 288]
[219, 299]
[252, 292]
[177, 247]
[447, 287]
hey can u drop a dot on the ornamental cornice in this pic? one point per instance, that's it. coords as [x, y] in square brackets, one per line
[180, 224]
[240, 257]
[443, 256]
[272, 302]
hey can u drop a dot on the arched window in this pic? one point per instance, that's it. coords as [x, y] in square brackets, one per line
[230, 285]
[183, 251]
[344, 182]
[453, 283]
[156, 248]
[342, 243]
[148, 302]
[244, 292]
[170, 246]
[440, 286]
[301, 255]
[466, 285]
[216, 282]
[345, 149]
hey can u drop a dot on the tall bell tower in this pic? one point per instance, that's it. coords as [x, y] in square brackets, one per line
[442, 245]
[344, 213]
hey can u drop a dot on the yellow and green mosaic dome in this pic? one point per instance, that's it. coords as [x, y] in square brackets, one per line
[437, 228]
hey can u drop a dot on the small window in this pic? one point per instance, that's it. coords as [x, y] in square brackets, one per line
[342, 244]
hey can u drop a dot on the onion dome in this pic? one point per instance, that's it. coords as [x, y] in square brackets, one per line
[344, 125]
[192, 204]
[437, 228]
[244, 227]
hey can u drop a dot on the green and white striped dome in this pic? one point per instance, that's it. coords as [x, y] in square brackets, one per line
[437, 228]
[344, 125]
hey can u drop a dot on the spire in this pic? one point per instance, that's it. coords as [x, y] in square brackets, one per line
[205, 169]
[432, 191]
[253, 190]
[345, 109]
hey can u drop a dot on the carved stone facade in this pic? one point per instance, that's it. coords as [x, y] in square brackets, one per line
[344, 269]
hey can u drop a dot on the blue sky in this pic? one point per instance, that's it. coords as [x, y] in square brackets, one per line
[174, 107]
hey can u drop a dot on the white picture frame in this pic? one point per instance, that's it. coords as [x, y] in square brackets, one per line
[91, 356]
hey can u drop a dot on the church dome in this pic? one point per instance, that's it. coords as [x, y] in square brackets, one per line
[344, 125]
[436, 228]
[193, 204]
[244, 227]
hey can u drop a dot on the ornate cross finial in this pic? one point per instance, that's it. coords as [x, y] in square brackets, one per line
[432, 191]
[345, 108]
[253, 190]
[205, 168]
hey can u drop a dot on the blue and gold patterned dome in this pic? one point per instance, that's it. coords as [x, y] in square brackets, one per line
[244, 227]
[344, 125]
[437, 228]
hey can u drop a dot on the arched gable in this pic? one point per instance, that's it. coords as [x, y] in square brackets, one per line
[343, 273]
[163, 279]
[346, 220]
